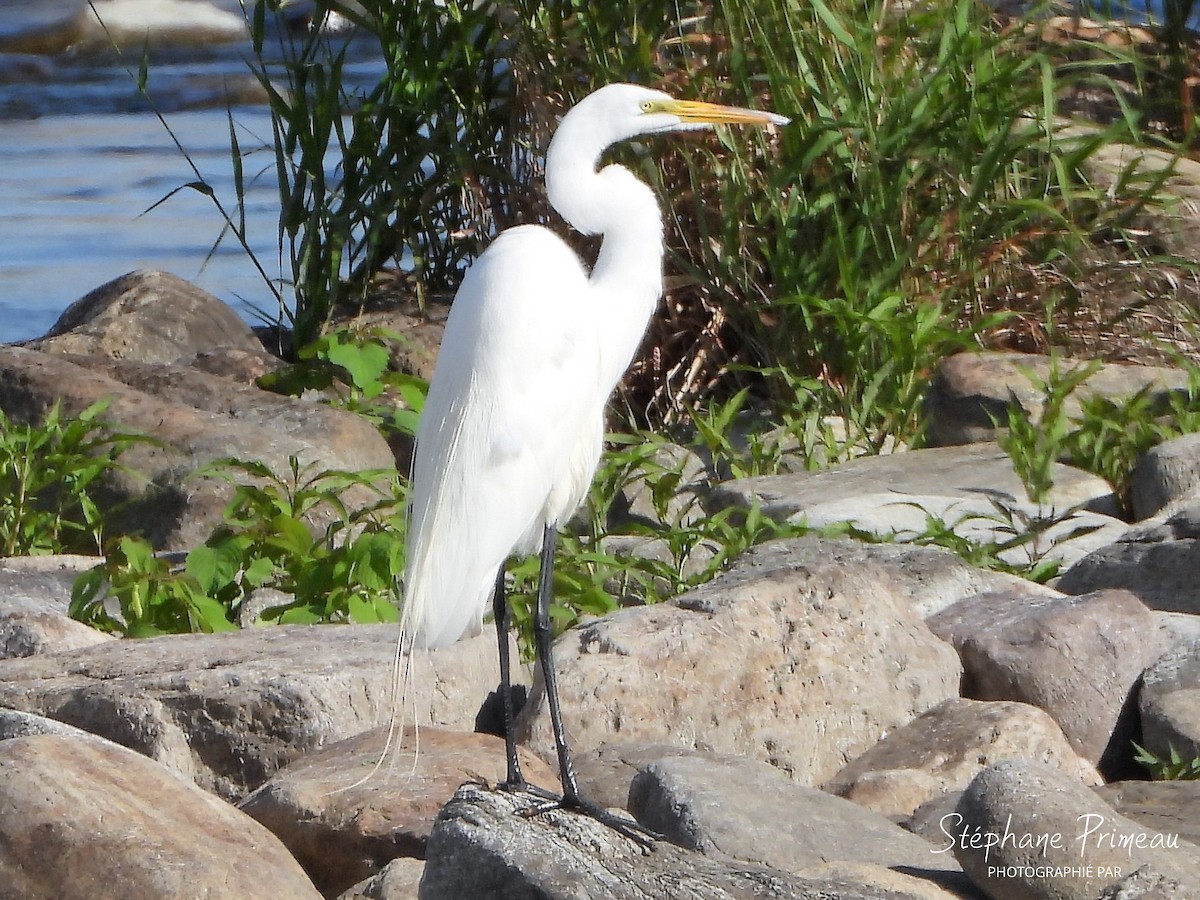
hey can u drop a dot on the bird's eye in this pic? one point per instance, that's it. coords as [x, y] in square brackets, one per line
[647, 105]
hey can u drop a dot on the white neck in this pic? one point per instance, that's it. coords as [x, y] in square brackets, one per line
[626, 281]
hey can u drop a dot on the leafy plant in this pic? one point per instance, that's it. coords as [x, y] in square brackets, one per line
[345, 571]
[1173, 767]
[50, 474]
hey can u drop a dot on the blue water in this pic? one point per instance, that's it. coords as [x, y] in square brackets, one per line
[83, 159]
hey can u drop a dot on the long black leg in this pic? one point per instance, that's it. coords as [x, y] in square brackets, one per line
[542, 641]
[514, 780]
[542, 638]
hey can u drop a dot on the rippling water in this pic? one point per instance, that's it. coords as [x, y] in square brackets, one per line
[82, 159]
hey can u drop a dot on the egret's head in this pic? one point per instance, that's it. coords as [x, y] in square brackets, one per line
[622, 111]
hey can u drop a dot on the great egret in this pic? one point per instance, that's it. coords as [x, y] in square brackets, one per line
[511, 432]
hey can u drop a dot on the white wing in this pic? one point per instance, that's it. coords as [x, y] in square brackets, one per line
[511, 430]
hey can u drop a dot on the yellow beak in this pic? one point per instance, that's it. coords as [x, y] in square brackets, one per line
[714, 114]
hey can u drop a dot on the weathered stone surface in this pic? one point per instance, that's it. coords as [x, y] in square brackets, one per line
[482, 847]
[748, 810]
[1159, 561]
[1169, 703]
[971, 392]
[399, 880]
[228, 710]
[1165, 474]
[929, 578]
[1172, 807]
[943, 749]
[968, 473]
[605, 772]
[1148, 884]
[83, 818]
[15, 724]
[195, 419]
[40, 584]
[31, 633]
[1078, 658]
[348, 809]
[154, 317]
[803, 667]
[1024, 830]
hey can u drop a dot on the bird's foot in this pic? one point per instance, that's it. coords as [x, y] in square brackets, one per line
[624, 826]
[519, 785]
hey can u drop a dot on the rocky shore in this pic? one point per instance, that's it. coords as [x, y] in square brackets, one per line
[827, 718]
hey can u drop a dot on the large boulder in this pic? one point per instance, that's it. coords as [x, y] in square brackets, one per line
[84, 818]
[802, 667]
[1078, 658]
[228, 710]
[147, 316]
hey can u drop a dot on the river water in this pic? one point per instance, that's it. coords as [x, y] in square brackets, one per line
[83, 159]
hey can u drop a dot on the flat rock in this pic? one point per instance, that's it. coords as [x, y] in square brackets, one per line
[1159, 561]
[1024, 830]
[973, 472]
[802, 667]
[84, 818]
[346, 810]
[149, 316]
[929, 578]
[972, 392]
[1166, 806]
[748, 810]
[605, 772]
[228, 710]
[194, 419]
[15, 724]
[482, 847]
[1078, 658]
[1169, 703]
[943, 749]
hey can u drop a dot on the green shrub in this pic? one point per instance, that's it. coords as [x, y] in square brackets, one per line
[50, 475]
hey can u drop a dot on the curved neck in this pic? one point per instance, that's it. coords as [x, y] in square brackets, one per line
[627, 277]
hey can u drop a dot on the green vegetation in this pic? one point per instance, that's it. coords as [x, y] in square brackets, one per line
[50, 474]
[1173, 767]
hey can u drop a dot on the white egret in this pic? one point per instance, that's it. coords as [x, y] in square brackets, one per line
[512, 428]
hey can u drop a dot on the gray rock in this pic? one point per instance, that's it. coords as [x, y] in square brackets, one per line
[228, 710]
[1024, 830]
[15, 724]
[398, 880]
[31, 633]
[1148, 884]
[943, 749]
[154, 317]
[482, 847]
[1078, 658]
[929, 578]
[605, 772]
[1159, 561]
[164, 499]
[747, 810]
[974, 472]
[40, 584]
[972, 392]
[1167, 806]
[1164, 474]
[84, 818]
[1169, 703]
[803, 667]
[348, 809]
